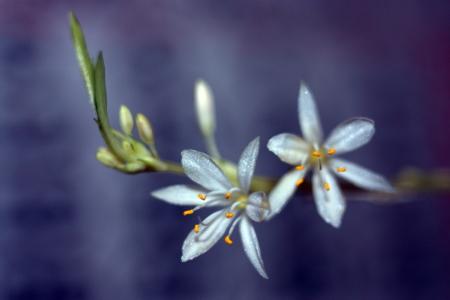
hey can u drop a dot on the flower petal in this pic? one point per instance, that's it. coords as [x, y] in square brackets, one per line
[201, 169]
[198, 243]
[247, 163]
[331, 203]
[309, 115]
[360, 176]
[180, 194]
[290, 148]
[258, 206]
[350, 135]
[284, 190]
[251, 245]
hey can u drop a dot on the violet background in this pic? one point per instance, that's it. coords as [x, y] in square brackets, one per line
[71, 228]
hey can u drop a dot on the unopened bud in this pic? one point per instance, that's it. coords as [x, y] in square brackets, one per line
[126, 120]
[204, 107]
[127, 147]
[145, 129]
[107, 158]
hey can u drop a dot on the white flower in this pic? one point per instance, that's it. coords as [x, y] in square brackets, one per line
[312, 153]
[217, 190]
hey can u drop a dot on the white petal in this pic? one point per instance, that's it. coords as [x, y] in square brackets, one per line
[330, 204]
[361, 177]
[201, 169]
[247, 163]
[180, 194]
[350, 135]
[309, 115]
[258, 206]
[198, 243]
[290, 148]
[283, 191]
[251, 246]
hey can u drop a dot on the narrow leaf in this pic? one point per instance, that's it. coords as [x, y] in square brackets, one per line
[81, 52]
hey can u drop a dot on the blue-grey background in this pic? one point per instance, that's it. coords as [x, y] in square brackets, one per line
[71, 228]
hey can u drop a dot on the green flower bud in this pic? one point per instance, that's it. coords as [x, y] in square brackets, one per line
[126, 120]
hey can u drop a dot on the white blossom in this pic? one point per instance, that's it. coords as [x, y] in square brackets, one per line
[236, 205]
[312, 153]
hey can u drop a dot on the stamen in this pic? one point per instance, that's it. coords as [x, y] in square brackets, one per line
[332, 151]
[196, 228]
[315, 153]
[201, 197]
[298, 168]
[320, 165]
[341, 169]
[188, 212]
[227, 195]
[229, 215]
[300, 181]
[327, 186]
[228, 241]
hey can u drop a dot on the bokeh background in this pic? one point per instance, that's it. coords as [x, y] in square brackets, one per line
[71, 228]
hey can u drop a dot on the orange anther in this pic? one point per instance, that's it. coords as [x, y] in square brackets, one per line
[196, 228]
[300, 181]
[327, 186]
[201, 196]
[227, 240]
[332, 151]
[227, 195]
[298, 168]
[188, 212]
[341, 169]
[315, 153]
[229, 215]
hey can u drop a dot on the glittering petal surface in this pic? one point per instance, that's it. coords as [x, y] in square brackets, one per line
[246, 166]
[251, 245]
[283, 191]
[330, 204]
[180, 194]
[198, 243]
[258, 206]
[201, 169]
[309, 115]
[290, 148]
[361, 177]
[350, 135]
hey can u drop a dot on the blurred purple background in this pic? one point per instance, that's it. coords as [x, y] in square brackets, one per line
[74, 229]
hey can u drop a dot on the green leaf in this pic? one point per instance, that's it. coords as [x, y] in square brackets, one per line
[101, 107]
[84, 61]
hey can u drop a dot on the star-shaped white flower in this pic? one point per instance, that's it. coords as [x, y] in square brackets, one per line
[312, 153]
[217, 190]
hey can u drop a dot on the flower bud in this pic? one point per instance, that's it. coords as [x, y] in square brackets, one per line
[204, 107]
[145, 129]
[126, 120]
[107, 158]
[127, 147]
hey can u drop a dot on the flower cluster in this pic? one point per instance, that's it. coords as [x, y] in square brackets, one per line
[239, 195]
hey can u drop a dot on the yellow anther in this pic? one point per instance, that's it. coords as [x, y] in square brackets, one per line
[196, 228]
[341, 169]
[227, 240]
[202, 197]
[229, 215]
[315, 153]
[332, 151]
[298, 168]
[300, 181]
[188, 212]
[227, 195]
[327, 186]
